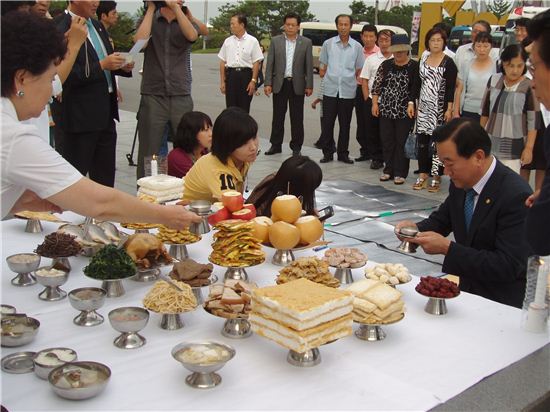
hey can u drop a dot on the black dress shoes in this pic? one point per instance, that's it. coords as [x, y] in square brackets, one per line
[345, 160]
[326, 159]
[376, 164]
[362, 158]
[317, 145]
[273, 150]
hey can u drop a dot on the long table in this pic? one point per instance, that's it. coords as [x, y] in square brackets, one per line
[424, 362]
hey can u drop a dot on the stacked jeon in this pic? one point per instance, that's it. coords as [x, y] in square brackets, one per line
[235, 246]
[301, 315]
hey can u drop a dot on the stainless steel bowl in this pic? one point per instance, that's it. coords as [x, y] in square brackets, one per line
[129, 321]
[79, 380]
[203, 376]
[16, 265]
[42, 370]
[87, 299]
[7, 310]
[13, 339]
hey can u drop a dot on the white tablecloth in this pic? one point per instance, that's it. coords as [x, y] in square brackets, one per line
[424, 361]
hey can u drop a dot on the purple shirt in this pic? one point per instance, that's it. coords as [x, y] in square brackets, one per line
[179, 162]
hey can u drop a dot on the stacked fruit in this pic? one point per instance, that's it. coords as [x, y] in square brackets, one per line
[286, 229]
[233, 207]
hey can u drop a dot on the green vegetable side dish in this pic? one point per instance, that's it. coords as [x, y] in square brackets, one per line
[111, 263]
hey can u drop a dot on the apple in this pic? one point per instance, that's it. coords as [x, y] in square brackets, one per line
[232, 200]
[222, 214]
[286, 208]
[251, 207]
[243, 214]
[261, 228]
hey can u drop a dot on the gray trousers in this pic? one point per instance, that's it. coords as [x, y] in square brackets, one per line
[154, 112]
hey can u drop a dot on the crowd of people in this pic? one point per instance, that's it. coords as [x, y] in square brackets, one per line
[478, 117]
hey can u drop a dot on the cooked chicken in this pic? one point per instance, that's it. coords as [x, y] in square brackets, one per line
[146, 250]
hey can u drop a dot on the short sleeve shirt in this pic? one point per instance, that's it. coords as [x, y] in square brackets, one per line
[167, 60]
[28, 162]
[209, 177]
[241, 52]
[342, 62]
[372, 63]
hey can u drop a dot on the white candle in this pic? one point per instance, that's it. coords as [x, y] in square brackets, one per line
[154, 166]
[540, 291]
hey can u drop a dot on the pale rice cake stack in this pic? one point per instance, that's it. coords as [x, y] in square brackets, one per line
[376, 303]
[301, 315]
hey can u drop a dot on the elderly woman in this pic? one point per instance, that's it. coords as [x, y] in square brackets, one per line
[509, 110]
[34, 176]
[234, 149]
[193, 140]
[298, 176]
[392, 101]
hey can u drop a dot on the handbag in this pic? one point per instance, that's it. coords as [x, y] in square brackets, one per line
[411, 144]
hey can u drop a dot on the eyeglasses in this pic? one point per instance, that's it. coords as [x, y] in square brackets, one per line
[530, 66]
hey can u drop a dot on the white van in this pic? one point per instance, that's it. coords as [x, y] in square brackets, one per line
[319, 32]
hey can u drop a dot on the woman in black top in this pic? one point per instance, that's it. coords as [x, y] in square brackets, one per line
[391, 94]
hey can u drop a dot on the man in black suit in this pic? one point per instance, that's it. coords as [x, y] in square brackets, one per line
[88, 104]
[538, 217]
[289, 75]
[485, 210]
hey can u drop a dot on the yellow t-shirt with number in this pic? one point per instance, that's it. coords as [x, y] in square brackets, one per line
[209, 177]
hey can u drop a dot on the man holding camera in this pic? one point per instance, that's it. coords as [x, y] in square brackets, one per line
[166, 83]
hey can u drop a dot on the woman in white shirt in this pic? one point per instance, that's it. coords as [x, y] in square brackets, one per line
[472, 79]
[34, 176]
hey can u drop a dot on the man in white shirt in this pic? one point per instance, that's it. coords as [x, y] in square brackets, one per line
[368, 73]
[466, 52]
[240, 57]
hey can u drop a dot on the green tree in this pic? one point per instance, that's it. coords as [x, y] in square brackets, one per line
[264, 17]
[358, 10]
[122, 32]
[499, 8]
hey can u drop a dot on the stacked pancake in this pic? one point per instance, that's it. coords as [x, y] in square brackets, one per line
[301, 315]
[375, 302]
[160, 188]
[235, 246]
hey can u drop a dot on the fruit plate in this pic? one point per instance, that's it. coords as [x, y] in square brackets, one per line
[305, 247]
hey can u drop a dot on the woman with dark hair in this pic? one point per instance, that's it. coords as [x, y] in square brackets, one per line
[234, 148]
[34, 176]
[509, 110]
[193, 139]
[434, 87]
[473, 77]
[298, 176]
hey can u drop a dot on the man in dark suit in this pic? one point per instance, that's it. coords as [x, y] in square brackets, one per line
[538, 217]
[289, 76]
[85, 115]
[485, 210]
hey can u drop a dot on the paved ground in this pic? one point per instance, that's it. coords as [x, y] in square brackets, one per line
[207, 98]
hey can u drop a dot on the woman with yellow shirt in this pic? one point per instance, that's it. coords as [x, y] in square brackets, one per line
[234, 149]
